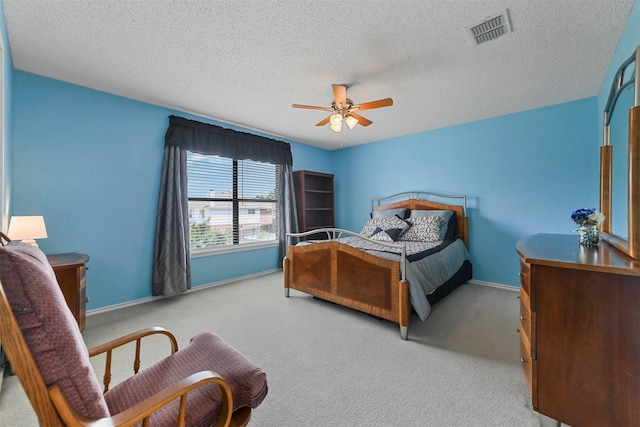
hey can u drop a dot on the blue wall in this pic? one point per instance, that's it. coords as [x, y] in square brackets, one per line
[522, 173]
[90, 162]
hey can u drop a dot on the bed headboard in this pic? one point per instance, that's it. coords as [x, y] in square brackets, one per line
[423, 200]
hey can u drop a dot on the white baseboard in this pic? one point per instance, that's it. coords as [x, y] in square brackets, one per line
[250, 276]
[494, 285]
[197, 288]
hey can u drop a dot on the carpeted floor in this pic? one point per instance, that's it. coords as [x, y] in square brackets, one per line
[331, 366]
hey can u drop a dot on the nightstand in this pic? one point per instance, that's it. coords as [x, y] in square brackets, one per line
[70, 270]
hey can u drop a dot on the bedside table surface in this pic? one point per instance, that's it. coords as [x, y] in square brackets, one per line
[68, 258]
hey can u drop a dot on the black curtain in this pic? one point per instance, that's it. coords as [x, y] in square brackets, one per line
[171, 254]
[204, 138]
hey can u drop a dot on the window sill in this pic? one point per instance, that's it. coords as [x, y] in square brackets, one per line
[198, 253]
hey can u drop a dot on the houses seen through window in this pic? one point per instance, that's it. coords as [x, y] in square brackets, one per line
[231, 202]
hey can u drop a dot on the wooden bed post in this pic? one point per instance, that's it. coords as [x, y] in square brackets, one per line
[404, 309]
[286, 267]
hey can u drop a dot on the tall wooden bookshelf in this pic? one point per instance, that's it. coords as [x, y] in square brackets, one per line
[314, 201]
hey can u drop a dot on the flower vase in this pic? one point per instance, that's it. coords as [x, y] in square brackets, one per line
[589, 234]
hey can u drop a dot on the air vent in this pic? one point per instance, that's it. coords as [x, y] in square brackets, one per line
[490, 29]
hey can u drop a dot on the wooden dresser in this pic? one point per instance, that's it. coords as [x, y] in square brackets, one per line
[70, 270]
[580, 330]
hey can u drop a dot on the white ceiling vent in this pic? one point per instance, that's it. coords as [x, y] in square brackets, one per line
[491, 28]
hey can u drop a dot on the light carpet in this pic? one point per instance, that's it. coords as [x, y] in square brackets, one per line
[331, 366]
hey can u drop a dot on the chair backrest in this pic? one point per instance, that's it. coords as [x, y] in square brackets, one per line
[24, 365]
[41, 338]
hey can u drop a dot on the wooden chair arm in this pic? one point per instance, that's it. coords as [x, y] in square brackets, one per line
[108, 348]
[134, 336]
[144, 409]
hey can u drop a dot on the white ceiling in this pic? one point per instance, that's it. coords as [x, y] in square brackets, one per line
[245, 62]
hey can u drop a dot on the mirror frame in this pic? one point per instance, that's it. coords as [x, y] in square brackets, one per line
[630, 246]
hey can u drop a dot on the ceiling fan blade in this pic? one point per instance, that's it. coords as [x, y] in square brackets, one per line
[387, 102]
[361, 120]
[323, 122]
[311, 107]
[340, 95]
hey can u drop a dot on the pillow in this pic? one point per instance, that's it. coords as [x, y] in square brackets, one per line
[423, 229]
[49, 328]
[448, 226]
[393, 226]
[451, 228]
[386, 213]
[382, 236]
[446, 214]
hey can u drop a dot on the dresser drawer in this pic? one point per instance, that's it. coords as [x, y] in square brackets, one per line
[526, 362]
[526, 326]
[525, 317]
[525, 277]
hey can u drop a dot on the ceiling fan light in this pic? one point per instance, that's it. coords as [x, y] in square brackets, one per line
[351, 121]
[336, 120]
[337, 127]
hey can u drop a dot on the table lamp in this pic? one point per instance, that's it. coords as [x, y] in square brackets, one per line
[27, 229]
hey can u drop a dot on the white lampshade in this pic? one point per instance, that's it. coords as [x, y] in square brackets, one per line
[351, 121]
[27, 228]
[336, 122]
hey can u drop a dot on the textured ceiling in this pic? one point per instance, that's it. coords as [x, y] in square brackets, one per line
[245, 62]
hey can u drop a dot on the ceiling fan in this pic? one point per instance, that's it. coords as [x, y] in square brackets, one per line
[343, 110]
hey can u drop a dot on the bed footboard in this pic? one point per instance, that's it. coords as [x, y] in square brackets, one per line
[347, 276]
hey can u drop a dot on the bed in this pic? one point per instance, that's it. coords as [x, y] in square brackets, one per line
[387, 269]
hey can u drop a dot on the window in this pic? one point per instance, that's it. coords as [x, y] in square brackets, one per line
[231, 202]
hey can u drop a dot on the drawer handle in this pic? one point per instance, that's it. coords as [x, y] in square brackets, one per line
[521, 317]
[522, 360]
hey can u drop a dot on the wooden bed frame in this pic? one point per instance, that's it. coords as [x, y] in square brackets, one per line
[353, 278]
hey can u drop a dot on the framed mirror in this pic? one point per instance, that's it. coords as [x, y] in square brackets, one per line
[620, 160]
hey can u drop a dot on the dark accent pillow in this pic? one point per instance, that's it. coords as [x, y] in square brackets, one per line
[393, 226]
[382, 236]
[451, 228]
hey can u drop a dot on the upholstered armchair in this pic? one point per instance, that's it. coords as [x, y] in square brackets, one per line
[206, 383]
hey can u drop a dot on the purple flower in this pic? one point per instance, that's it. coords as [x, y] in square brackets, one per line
[587, 216]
